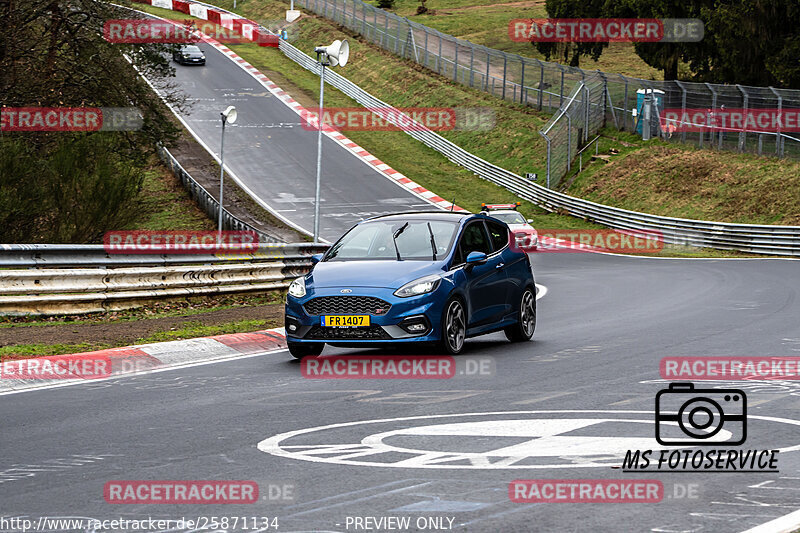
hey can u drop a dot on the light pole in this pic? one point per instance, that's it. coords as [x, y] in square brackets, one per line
[335, 54]
[228, 116]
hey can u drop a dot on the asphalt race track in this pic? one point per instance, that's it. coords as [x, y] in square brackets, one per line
[275, 157]
[604, 324]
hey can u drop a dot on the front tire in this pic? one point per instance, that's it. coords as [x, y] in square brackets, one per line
[523, 329]
[300, 350]
[454, 327]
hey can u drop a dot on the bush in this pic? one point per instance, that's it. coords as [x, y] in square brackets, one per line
[386, 4]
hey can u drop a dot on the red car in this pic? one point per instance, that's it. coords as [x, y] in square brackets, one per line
[525, 235]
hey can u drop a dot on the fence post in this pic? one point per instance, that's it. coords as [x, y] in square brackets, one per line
[374, 21]
[569, 141]
[548, 161]
[713, 107]
[778, 138]
[472, 65]
[397, 37]
[683, 109]
[561, 92]
[624, 102]
[455, 63]
[488, 62]
[425, 29]
[523, 97]
[586, 113]
[505, 69]
[385, 36]
[743, 133]
[439, 57]
[607, 96]
[541, 85]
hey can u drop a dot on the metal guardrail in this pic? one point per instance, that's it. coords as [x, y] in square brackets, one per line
[762, 239]
[96, 256]
[68, 279]
[208, 203]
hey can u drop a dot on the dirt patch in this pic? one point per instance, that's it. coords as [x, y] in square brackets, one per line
[128, 332]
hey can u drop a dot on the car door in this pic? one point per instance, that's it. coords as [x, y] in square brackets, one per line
[485, 284]
[500, 238]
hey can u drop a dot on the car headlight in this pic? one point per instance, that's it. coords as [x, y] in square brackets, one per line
[298, 287]
[419, 286]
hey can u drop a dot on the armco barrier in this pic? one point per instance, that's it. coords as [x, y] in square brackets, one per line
[208, 203]
[80, 278]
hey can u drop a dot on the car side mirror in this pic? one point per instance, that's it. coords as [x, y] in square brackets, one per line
[316, 258]
[530, 221]
[475, 258]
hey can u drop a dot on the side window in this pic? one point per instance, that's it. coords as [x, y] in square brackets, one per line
[474, 239]
[498, 234]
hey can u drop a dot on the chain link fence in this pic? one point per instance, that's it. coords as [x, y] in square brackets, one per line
[547, 86]
[581, 115]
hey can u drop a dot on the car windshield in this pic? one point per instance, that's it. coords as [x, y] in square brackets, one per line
[373, 240]
[509, 218]
[191, 49]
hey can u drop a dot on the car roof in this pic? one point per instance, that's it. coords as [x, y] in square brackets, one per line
[453, 216]
[501, 211]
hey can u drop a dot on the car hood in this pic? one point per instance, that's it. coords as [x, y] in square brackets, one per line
[521, 227]
[387, 274]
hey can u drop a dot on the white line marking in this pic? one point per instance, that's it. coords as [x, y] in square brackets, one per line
[143, 372]
[541, 290]
[783, 524]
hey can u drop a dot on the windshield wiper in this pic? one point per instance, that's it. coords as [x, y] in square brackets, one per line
[395, 235]
[433, 241]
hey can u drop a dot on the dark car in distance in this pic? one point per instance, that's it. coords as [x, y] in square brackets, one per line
[189, 54]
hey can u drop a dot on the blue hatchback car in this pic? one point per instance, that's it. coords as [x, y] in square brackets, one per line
[423, 277]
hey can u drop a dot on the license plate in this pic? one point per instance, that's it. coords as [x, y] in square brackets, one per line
[345, 321]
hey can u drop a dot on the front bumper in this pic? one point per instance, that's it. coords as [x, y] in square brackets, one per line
[393, 326]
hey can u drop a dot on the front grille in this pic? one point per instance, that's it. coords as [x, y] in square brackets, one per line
[338, 305]
[368, 333]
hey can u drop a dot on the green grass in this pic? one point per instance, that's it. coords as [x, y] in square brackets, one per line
[188, 330]
[164, 204]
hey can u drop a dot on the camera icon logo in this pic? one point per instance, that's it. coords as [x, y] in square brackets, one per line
[686, 416]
